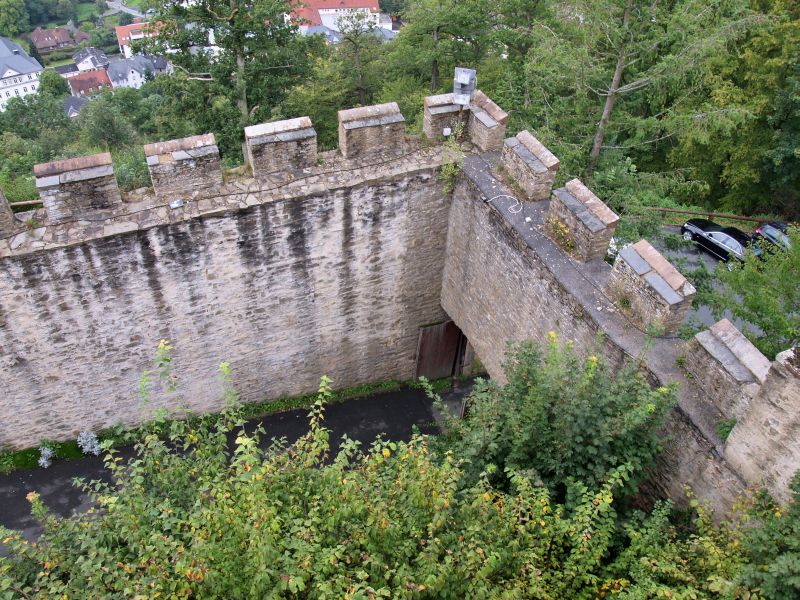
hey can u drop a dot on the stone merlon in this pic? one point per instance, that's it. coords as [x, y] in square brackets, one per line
[60, 167]
[188, 166]
[370, 130]
[657, 292]
[183, 144]
[727, 366]
[280, 146]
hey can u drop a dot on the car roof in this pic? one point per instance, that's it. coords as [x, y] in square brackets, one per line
[737, 234]
[704, 224]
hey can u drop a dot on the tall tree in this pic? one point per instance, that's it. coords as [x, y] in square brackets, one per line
[441, 33]
[13, 17]
[255, 55]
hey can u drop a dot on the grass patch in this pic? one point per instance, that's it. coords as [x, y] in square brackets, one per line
[29, 458]
[725, 427]
[118, 435]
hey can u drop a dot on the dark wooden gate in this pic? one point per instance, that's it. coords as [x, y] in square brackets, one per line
[438, 350]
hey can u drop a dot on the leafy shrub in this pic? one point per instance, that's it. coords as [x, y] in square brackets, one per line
[561, 417]
[193, 517]
[131, 169]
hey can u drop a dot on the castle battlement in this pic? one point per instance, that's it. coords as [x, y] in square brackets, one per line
[333, 262]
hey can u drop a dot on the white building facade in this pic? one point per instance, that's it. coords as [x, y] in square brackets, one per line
[19, 73]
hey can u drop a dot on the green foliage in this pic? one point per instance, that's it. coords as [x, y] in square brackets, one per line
[104, 125]
[452, 159]
[763, 292]
[52, 84]
[195, 516]
[772, 547]
[563, 418]
[13, 17]
[725, 427]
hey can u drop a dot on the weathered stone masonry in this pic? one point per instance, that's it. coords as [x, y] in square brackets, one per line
[331, 263]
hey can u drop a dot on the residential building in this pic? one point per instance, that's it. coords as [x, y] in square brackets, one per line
[328, 12]
[90, 59]
[19, 73]
[47, 40]
[73, 105]
[89, 82]
[130, 33]
[133, 72]
[67, 71]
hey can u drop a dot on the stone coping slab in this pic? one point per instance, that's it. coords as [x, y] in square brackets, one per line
[746, 353]
[661, 266]
[484, 117]
[581, 212]
[483, 101]
[72, 164]
[377, 114]
[188, 143]
[591, 202]
[547, 158]
[438, 100]
[276, 127]
[528, 157]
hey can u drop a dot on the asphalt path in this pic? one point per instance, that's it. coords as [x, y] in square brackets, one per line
[393, 415]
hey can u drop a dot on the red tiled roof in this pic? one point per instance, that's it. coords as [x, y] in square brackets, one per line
[50, 38]
[89, 81]
[307, 11]
[124, 32]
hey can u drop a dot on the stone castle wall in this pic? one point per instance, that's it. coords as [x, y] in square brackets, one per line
[331, 275]
[330, 264]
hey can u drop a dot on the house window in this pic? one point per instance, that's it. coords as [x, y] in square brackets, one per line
[16, 92]
[25, 89]
[29, 77]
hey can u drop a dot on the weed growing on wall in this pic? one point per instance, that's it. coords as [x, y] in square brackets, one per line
[560, 233]
[452, 158]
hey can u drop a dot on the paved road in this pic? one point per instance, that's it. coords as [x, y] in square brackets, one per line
[391, 414]
[115, 7]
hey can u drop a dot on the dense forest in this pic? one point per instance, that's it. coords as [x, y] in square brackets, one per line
[687, 102]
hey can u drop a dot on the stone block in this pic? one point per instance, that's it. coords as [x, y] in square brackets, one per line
[487, 123]
[8, 222]
[532, 166]
[185, 167]
[578, 219]
[764, 446]
[282, 146]
[647, 286]
[371, 130]
[440, 114]
[78, 188]
[726, 367]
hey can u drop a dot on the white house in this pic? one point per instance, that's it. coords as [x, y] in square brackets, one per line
[328, 13]
[89, 59]
[19, 73]
[133, 72]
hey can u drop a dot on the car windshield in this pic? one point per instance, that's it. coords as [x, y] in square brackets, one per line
[777, 234]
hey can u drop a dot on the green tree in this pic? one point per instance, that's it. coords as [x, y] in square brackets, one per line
[561, 417]
[52, 84]
[260, 54]
[125, 19]
[763, 293]
[740, 134]
[103, 125]
[13, 17]
[438, 35]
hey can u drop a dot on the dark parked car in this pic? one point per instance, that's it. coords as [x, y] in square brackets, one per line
[775, 233]
[722, 242]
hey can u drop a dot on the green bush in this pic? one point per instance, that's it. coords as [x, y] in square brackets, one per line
[192, 517]
[561, 417]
